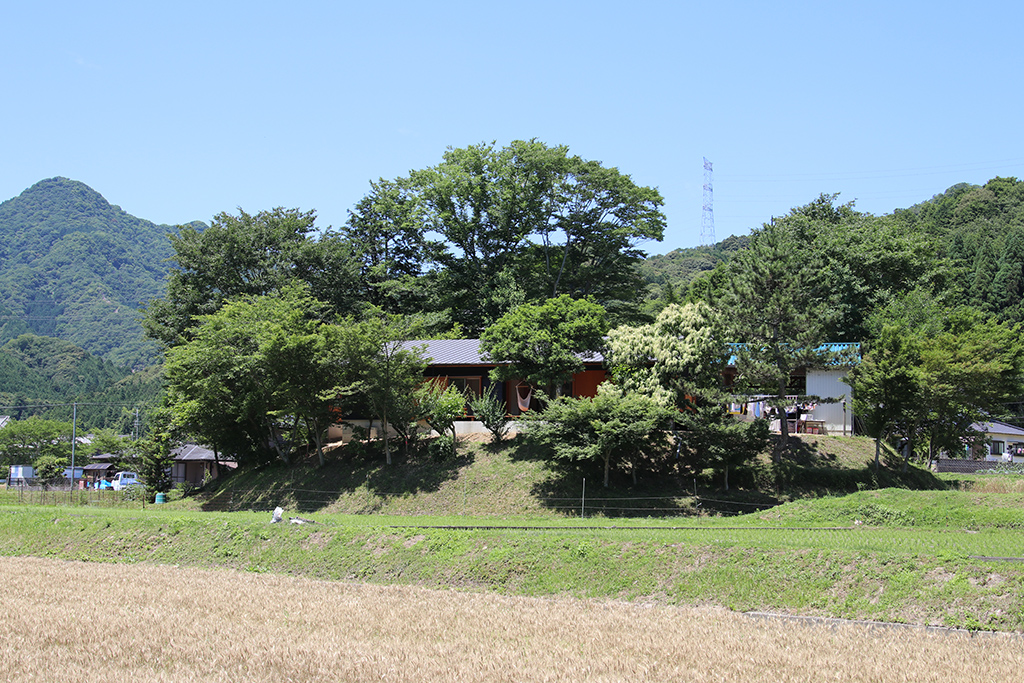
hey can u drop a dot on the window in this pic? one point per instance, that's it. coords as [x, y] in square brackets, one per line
[470, 386]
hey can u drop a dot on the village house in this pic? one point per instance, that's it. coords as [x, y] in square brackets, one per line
[459, 362]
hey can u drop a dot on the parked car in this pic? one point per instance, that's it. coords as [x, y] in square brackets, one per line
[123, 480]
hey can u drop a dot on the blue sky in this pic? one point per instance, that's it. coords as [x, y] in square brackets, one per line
[179, 111]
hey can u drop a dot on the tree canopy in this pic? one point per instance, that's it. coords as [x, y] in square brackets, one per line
[526, 220]
[250, 255]
[777, 308]
[545, 344]
[487, 239]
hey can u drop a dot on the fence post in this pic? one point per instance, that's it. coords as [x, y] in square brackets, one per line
[583, 500]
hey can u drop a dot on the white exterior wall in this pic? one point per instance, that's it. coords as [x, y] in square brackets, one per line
[830, 384]
[1009, 435]
[343, 431]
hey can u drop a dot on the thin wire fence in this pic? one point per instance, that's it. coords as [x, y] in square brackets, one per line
[685, 515]
[68, 496]
[377, 501]
[372, 502]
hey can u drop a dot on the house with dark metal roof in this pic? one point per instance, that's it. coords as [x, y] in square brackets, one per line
[459, 362]
[194, 464]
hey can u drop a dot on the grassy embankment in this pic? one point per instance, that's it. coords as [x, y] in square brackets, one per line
[916, 556]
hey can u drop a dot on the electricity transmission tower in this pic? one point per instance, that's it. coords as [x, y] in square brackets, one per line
[707, 219]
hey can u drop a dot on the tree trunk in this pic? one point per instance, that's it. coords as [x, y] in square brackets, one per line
[272, 442]
[384, 431]
[726, 477]
[313, 427]
[607, 468]
[293, 439]
[878, 447]
[783, 443]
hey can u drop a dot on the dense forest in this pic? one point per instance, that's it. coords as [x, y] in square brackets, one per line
[498, 238]
[43, 376]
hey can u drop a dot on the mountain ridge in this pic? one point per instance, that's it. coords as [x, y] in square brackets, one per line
[76, 267]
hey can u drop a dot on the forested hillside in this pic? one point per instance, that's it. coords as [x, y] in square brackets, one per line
[964, 247]
[43, 376]
[75, 267]
[981, 231]
[668, 275]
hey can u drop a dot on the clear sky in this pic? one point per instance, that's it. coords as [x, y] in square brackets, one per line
[178, 111]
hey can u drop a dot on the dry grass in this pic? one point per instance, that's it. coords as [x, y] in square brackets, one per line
[989, 483]
[97, 622]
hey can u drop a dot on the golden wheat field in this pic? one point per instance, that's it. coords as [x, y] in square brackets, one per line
[69, 621]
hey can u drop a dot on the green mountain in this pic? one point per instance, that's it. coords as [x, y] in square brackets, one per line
[679, 267]
[75, 267]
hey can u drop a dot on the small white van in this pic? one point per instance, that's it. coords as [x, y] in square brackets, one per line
[123, 480]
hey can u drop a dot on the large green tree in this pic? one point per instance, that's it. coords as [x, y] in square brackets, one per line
[973, 371]
[387, 231]
[936, 378]
[552, 223]
[613, 428]
[253, 372]
[250, 255]
[545, 344]
[889, 387]
[391, 371]
[679, 360]
[22, 442]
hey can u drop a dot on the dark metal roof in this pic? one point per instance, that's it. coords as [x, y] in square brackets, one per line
[998, 427]
[449, 351]
[465, 352]
[193, 452]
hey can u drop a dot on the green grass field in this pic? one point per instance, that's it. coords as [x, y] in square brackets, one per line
[950, 554]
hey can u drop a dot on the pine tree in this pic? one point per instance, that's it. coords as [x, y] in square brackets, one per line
[776, 309]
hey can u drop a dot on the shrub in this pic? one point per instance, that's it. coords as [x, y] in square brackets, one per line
[491, 413]
[441, 448]
[135, 492]
[441, 406]
[50, 467]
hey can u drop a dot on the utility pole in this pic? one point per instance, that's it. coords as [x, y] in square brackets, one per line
[74, 438]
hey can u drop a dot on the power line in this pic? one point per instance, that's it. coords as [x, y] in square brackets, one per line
[74, 403]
